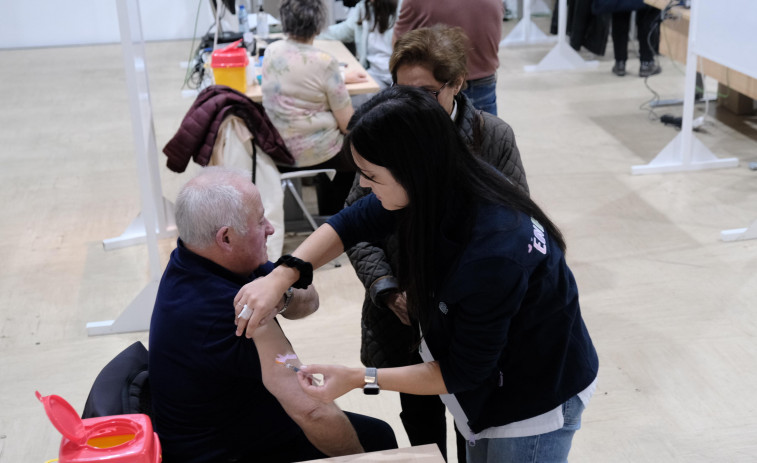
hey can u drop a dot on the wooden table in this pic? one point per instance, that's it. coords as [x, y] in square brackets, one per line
[674, 37]
[685, 152]
[336, 49]
[423, 453]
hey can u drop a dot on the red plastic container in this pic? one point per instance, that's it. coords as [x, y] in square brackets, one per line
[115, 439]
[230, 66]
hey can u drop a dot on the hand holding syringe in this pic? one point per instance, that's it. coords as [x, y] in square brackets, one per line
[284, 360]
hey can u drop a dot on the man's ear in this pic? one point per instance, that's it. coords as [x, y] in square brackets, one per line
[223, 238]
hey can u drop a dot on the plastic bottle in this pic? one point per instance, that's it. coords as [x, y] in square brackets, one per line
[244, 25]
[262, 21]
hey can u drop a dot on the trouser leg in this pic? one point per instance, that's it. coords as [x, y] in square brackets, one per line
[424, 420]
[374, 434]
[649, 38]
[621, 24]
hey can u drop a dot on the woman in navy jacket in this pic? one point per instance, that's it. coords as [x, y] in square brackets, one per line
[484, 270]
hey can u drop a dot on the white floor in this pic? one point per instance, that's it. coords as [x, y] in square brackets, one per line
[671, 308]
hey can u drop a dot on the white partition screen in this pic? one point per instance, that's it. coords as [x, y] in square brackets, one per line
[726, 32]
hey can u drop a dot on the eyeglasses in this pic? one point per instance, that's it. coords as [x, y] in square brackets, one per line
[433, 92]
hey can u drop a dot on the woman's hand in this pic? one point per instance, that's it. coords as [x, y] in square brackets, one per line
[337, 380]
[397, 303]
[262, 297]
[355, 76]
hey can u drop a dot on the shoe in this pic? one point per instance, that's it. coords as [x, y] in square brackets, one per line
[649, 68]
[619, 69]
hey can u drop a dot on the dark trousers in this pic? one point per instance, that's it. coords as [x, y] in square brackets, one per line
[648, 43]
[374, 435]
[331, 193]
[425, 422]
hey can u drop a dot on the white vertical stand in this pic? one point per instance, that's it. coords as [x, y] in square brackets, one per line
[562, 56]
[152, 221]
[685, 152]
[162, 218]
[526, 31]
[135, 232]
[539, 7]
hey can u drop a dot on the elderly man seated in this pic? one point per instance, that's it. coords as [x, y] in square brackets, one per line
[222, 398]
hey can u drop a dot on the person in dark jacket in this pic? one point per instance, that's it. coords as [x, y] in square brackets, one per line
[428, 58]
[484, 270]
[216, 397]
[648, 34]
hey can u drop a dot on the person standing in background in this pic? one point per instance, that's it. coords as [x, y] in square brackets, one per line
[647, 33]
[481, 20]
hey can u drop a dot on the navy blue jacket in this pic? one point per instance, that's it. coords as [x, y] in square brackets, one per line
[506, 325]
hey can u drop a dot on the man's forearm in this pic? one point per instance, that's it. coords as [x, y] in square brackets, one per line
[304, 302]
[330, 431]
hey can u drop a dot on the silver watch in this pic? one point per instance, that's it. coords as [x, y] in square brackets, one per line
[371, 386]
[287, 299]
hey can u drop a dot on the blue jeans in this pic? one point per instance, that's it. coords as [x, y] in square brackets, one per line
[483, 94]
[552, 447]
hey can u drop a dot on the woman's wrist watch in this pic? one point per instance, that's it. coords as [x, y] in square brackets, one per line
[371, 386]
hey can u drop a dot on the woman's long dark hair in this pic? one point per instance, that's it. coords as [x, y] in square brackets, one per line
[385, 11]
[405, 130]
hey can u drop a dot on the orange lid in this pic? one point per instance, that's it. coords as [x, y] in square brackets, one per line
[64, 418]
[230, 56]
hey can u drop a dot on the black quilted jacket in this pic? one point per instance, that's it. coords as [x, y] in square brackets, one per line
[386, 342]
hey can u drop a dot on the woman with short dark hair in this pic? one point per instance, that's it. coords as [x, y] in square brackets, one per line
[504, 342]
[302, 19]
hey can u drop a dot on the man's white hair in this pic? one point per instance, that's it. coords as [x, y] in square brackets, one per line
[210, 202]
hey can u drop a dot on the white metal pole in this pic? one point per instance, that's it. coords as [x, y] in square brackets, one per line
[689, 89]
[562, 21]
[141, 120]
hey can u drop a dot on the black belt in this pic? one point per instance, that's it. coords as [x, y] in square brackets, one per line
[488, 80]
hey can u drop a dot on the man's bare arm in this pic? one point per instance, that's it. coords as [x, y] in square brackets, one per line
[324, 424]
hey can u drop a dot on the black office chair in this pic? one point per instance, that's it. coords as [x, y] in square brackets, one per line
[122, 386]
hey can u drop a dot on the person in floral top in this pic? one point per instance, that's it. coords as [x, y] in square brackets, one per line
[305, 97]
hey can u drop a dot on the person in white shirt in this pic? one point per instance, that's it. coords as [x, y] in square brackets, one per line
[370, 25]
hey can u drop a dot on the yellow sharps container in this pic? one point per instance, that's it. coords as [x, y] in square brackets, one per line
[229, 66]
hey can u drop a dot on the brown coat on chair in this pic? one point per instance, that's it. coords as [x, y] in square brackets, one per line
[199, 129]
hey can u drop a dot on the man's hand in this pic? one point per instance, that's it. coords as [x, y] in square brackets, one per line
[355, 76]
[397, 303]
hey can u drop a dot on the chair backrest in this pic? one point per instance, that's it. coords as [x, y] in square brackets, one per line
[122, 386]
[235, 147]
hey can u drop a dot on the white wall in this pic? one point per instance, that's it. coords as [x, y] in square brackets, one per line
[46, 23]
[43, 23]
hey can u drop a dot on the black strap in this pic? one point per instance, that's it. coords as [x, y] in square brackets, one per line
[305, 269]
[254, 160]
